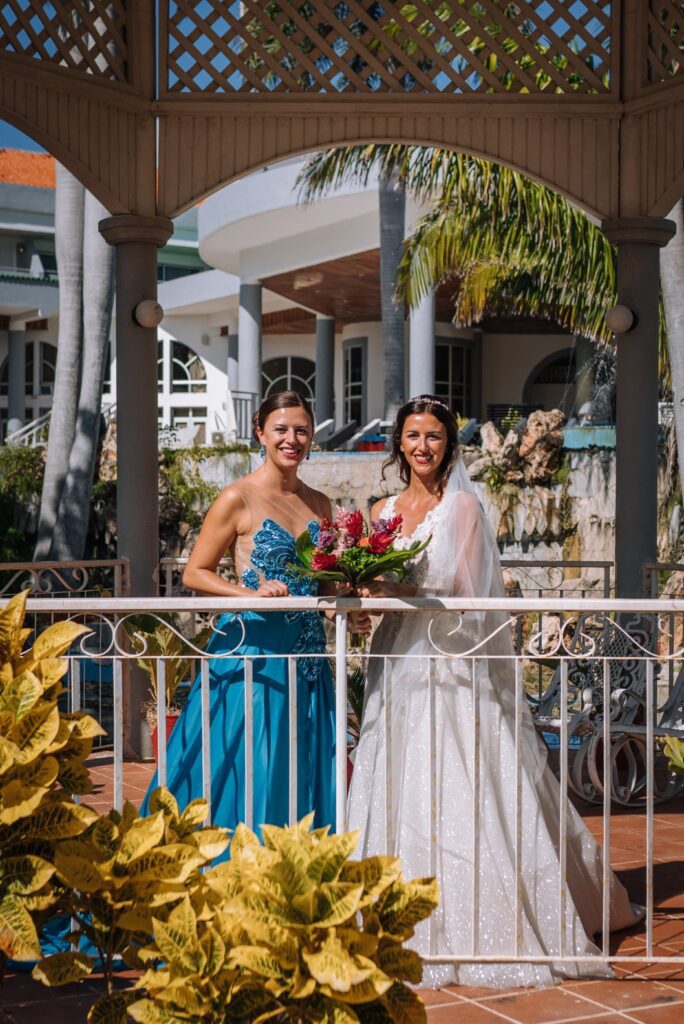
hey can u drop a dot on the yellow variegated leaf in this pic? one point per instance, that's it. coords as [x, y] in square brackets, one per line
[333, 966]
[18, 937]
[40, 900]
[210, 842]
[34, 733]
[366, 991]
[168, 863]
[376, 874]
[106, 836]
[161, 799]
[57, 639]
[63, 968]
[42, 772]
[24, 873]
[177, 938]
[401, 964]
[84, 727]
[75, 778]
[143, 835]
[258, 959]
[404, 906]
[62, 737]
[111, 1009]
[22, 694]
[51, 671]
[337, 902]
[19, 800]
[404, 1005]
[358, 942]
[11, 620]
[144, 1011]
[214, 950]
[58, 821]
[79, 872]
[329, 1011]
[263, 933]
[242, 838]
[8, 755]
[194, 814]
[129, 814]
[330, 854]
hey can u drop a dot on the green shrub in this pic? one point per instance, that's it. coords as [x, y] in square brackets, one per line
[42, 754]
[290, 931]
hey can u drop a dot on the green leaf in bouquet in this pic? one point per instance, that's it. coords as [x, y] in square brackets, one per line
[304, 546]
[393, 561]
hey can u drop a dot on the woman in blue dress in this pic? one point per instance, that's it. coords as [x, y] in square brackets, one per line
[257, 519]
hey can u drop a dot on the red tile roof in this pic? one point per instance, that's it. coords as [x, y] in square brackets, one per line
[20, 167]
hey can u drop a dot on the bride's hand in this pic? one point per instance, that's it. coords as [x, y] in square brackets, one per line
[272, 588]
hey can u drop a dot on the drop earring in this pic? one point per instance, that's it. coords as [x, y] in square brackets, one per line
[262, 451]
[308, 455]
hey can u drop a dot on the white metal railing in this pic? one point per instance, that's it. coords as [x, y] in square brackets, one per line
[582, 639]
[244, 407]
[36, 432]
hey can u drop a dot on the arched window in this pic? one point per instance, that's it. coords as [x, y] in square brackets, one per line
[552, 383]
[184, 370]
[289, 373]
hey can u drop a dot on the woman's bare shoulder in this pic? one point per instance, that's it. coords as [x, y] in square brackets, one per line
[230, 503]
[378, 508]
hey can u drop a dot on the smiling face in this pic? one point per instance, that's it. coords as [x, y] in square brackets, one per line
[286, 436]
[423, 444]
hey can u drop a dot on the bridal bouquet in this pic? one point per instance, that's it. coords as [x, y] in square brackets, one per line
[347, 550]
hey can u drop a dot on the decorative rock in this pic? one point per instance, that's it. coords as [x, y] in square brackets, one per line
[492, 440]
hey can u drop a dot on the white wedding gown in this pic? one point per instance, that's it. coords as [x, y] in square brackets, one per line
[405, 791]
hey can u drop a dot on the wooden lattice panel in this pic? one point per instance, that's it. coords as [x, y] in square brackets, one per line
[375, 46]
[88, 35]
[665, 39]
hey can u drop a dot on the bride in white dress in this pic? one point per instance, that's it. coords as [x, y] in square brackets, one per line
[435, 784]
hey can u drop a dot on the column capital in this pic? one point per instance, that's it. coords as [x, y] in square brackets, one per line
[129, 227]
[640, 230]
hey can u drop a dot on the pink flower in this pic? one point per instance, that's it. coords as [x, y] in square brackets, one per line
[327, 535]
[321, 560]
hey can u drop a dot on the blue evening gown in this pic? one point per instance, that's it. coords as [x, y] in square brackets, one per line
[267, 633]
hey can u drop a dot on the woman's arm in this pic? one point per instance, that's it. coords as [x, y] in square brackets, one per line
[220, 528]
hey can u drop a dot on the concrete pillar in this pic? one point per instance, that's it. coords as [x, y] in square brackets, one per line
[422, 347]
[137, 489]
[249, 338]
[325, 367]
[16, 396]
[638, 241]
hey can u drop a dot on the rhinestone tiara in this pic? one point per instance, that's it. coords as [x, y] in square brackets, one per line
[431, 399]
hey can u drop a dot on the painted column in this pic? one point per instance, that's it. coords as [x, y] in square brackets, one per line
[325, 367]
[16, 398]
[422, 347]
[137, 239]
[638, 241]
[249, 338]
[232, 354]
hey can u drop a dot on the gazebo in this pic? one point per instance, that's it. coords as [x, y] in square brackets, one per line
[154, 105]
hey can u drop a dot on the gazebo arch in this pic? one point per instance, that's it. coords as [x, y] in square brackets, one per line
[588, 98]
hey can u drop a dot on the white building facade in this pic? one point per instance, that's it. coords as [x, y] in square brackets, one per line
[262, 293]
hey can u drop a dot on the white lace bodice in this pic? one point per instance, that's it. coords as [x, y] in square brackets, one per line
[418, 570]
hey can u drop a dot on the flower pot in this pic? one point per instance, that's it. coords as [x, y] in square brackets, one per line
[171, 719]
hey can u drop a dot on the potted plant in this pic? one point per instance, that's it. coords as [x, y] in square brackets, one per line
[164, 643]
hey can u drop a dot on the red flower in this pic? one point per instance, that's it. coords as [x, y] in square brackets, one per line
[352, 522]
[379, 542]
[321, 560]
[392, 525]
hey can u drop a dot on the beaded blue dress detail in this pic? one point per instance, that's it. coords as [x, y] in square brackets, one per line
[268, 638]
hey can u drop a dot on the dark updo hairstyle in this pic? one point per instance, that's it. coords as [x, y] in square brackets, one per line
[280, 400]
[437, 408]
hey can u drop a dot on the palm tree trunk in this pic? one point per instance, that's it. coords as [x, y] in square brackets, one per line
[392, 205]
[672, 286]
[98, 292]
[69, 215]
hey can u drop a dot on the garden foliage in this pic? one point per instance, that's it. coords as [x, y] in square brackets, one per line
[42, 754]
[289, 931]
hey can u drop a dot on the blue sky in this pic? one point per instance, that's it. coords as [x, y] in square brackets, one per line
[12, 138]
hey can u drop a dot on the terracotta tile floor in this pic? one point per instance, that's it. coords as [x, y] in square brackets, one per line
[641, 993]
